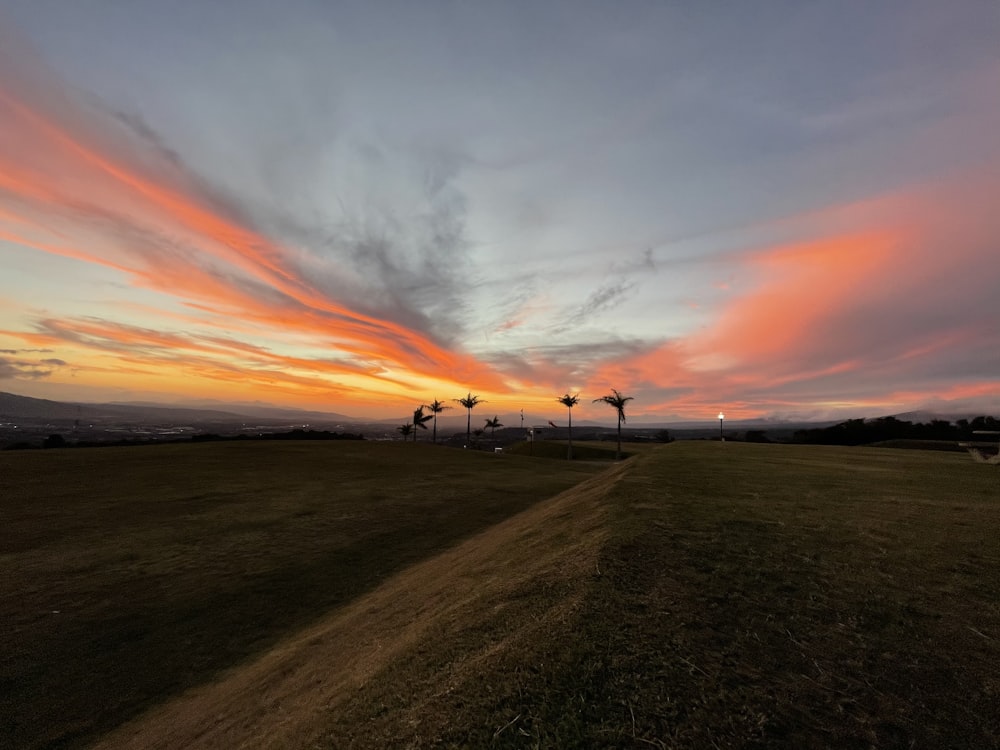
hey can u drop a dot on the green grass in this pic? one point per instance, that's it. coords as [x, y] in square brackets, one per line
[698, 595]
[556, 449]
[739, 596]
[771, 596]
[130, 574]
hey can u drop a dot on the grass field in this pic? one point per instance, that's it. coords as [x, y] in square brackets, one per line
[371, 595]
[130, 574]
[582, 450]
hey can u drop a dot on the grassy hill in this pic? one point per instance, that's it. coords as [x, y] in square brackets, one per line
[360, 595]
[130, 574]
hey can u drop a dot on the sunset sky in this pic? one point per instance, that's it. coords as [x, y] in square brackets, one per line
[776, 209]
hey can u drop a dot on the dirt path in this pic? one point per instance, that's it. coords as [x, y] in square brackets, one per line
[290, 696]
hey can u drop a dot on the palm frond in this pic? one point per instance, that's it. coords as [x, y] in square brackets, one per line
[470, 401]
[419, 417]
[569, 401]
[437, 407]
[617, 400]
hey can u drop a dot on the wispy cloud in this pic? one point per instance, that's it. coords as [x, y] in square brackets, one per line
[849, 314]
[364, 215]
[556, 366]
[606, 297]
[145, 214]
[23, 369]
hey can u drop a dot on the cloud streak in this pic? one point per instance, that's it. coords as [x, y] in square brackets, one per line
[904, 298]
[23, 369]
[168, 236]
[359, 217]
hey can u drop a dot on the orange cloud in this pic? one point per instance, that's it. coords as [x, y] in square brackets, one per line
[801, 285]
[870, 294]
[230, 269]
[895, 291]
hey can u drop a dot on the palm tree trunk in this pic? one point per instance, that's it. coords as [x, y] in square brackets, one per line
[435, 428]
[468, 430]
[569, 448]
[618, 454]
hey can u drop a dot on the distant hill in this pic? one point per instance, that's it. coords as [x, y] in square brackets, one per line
[930, 416]
[252, 409]
[25, 407]
[13, 406]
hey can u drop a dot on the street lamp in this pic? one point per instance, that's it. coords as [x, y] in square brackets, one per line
[722, 436]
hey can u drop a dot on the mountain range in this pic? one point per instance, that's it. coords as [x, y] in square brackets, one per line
[13, 406]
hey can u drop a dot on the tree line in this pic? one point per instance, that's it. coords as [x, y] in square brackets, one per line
[470, 401]
[864, 431]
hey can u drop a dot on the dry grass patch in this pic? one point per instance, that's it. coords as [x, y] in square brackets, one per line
[128, 575]
[741, 596]
[385, 671]
[698, 595]
[799, 597]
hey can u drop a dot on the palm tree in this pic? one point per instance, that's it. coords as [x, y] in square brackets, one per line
[569, 402]
[418, 420]
[493, 424]
[405, 430]
[618, 401]
[436, 408]
[469, 402]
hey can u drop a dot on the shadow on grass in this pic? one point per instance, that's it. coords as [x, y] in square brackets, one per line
[557, 450]
[93, 643]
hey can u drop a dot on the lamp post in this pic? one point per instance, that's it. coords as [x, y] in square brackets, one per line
[722, 436]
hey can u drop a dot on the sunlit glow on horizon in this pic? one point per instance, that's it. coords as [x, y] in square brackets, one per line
[475, 253]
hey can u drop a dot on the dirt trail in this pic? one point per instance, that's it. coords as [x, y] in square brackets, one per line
[287, 697]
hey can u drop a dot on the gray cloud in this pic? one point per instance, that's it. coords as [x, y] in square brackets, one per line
[606, 297]
[466, 199]
[141, 129]
[559, 363]
[396, 250]
[11, 369]
[413, 269]
[643, 264]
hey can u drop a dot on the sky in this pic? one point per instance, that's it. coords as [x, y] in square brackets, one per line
[774, 209]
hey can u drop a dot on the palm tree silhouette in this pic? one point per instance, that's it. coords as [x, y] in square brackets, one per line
[405, 430]
[469, 402]
[418, 420]
[569, 402]
[436, 408]
[493, 424]
[618, 401]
